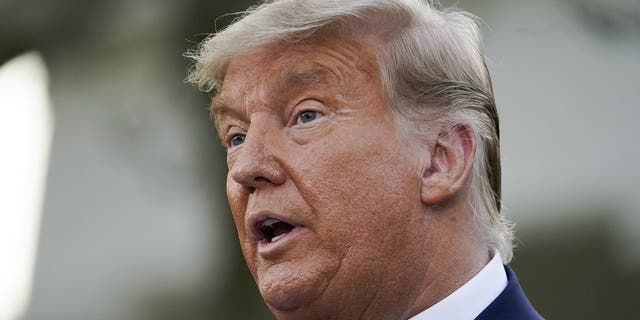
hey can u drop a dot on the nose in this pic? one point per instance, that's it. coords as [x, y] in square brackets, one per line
[256, 166]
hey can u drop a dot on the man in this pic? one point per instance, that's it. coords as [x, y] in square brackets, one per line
[363, 153]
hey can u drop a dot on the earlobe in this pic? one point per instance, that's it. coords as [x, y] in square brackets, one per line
[435, 190]
[451, 163]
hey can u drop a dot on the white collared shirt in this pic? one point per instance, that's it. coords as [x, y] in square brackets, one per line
[468, 301]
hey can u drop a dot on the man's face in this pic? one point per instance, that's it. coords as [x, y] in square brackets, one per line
[323, 185]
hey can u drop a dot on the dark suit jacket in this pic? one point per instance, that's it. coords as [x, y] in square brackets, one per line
[511, 304]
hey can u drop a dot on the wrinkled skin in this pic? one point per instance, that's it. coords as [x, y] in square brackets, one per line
[312, 141]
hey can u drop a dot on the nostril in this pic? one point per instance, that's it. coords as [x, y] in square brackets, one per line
[257, 181]
[251, 181]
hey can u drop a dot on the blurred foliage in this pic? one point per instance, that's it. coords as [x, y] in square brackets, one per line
[570, 272]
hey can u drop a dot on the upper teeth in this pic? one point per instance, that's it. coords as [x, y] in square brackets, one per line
[269, 222]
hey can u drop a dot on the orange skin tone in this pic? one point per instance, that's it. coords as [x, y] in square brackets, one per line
[384, 231]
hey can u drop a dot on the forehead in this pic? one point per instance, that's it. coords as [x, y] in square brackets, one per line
[342, 57]
[285, 67]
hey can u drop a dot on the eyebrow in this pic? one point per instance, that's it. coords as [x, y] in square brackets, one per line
[218, 107]
[288, 81]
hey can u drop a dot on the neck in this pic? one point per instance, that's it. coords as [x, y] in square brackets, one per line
[452, 254]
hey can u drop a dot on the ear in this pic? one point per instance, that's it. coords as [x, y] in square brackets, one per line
[451, 164]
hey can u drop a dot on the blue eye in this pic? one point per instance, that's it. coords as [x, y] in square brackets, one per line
[308, 116]
[237, 139]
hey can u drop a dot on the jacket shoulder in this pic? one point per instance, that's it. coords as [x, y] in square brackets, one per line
[512, 303]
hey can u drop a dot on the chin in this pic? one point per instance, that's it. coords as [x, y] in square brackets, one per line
[291, 287]
[287, 290]
[285, 298]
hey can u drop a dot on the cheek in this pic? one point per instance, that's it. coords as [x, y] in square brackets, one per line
[359, 190]
[360, 187]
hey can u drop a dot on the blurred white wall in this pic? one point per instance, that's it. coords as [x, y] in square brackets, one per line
[128, 216]
[26, 125]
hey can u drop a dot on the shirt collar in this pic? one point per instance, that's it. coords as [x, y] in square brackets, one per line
[468, 301]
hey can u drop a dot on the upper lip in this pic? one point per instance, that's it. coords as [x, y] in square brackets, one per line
[254, 221]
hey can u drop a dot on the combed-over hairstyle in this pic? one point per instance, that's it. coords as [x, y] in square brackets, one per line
[431, 65]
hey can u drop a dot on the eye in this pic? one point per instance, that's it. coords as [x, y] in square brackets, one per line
[308, 116]
[237, 139]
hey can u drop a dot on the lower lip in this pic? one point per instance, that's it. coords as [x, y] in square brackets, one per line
[265, 247]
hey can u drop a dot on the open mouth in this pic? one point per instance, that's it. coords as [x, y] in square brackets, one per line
[272, 230]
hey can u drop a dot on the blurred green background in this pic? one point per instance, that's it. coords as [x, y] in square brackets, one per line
[135, 223]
